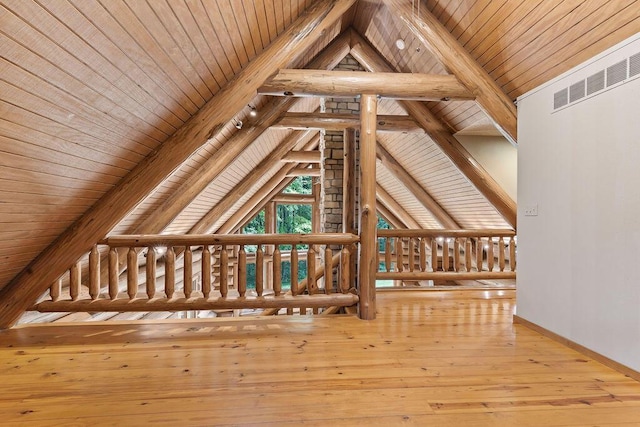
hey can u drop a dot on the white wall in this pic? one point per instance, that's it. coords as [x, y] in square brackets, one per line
[579, 259]
[497, 156]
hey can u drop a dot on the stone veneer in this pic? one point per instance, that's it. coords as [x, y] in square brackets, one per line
[334, 153]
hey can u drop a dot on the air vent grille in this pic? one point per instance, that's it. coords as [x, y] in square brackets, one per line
[576, 91]
[634, 65]
[612, 75]
[595, 82]
[560, 99]
[617, 73]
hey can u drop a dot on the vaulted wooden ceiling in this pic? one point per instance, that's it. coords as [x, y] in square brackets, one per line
[90, 90]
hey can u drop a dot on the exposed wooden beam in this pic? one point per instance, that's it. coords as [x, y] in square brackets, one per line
[105, 214]
[208, 221]
[389, 217]
[294, 199]
[461, 158]
[303, 156]
[368, 264]
[414, 86]
[338, 121]
[396, 209]
[300, 171]
[490, 97]
[181, 197]
[425, 199]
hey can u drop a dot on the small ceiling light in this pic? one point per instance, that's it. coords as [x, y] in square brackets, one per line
[253, 111]
[238, 124]
[400, 44]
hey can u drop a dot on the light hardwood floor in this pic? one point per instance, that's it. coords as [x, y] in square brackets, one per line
[436, 358]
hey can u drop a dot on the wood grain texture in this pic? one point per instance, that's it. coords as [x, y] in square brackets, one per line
[444, 358]
[137, 184]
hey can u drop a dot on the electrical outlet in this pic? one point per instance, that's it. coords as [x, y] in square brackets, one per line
[531, 210]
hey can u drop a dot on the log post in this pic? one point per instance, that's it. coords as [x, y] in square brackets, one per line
[206, 271]
[242, 271]
[328, 270]
[74, 281]
[113, 273]
[294, 270]
[56, 288]
[467, 254]
[169, 272]
[277, 271]
[132, 273]
[512, 254]
[368, 218]
[224, 271]
[151, 272]
[259, 270]
[312, 285]
[94, 273]
[187, 270]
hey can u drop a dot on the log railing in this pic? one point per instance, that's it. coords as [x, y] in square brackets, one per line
[199, 277]
[415, 255]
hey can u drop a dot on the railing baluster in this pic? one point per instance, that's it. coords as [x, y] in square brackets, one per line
[259, 271]
[423, 254]
[434, 254]
[294, 270]
[132, 273]
[399, 255]
[479, 249]
[242, 271]
[312, 286]
[277, 271]
[94, 273]
[512, 254]
[467, 254]
[456, 254]
[328, 270]
[170, 272]
[113, 274]
[345, 268]
[151, 272]
[74, 281]
[445, 254]
[412, 249]
[490, 254]
[387, 254]
[55, 289]
[501, 254]
[187, 272]
[224, 271]
[206, 271]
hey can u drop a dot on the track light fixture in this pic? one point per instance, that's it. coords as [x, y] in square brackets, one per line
[253, 111]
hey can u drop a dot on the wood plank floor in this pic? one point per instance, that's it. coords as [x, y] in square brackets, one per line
[437, 358]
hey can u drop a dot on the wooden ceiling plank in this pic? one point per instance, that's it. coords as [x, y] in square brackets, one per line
[454, 57]
[338, 121]
[28, 285]
[415, 86]
[460, 157]
[429, 203]
[396, 209]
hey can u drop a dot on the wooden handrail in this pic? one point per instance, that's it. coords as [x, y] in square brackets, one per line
[447, 233]
[230, 239]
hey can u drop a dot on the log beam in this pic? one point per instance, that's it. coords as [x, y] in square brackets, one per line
[294, 199]
[412, 86]
[349, 182]
[490, 97]
[105, 214]
[304, 171]
[368, 218]
[425, 199]
[371, 60]
[303, 156]
[338, 121]
[396, 209]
